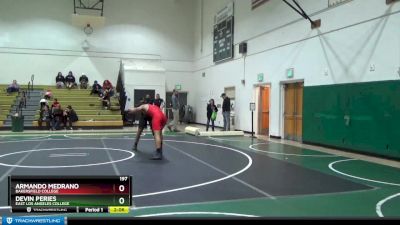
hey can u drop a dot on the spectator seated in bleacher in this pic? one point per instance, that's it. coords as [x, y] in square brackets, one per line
[106, 99]
[43, 103]
[48, 95]
[84, 81]
[96, 89]
[70, 80]
[45, 116]
[60, 80]
[57, 114]
[70, 117]
[108, 86]
[14, 87]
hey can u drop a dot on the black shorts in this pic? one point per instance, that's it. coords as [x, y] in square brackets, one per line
[143, 121]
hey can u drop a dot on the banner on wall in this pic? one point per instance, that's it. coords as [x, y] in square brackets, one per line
[257, 3]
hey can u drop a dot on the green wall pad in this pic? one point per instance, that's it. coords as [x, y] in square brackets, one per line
[364, 117]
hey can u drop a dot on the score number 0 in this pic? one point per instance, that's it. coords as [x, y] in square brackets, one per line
[121, 188]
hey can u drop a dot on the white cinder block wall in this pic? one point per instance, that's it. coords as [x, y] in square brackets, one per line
[37, 37]
[353, 37]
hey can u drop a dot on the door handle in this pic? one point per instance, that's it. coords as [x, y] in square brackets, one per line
[347, 120]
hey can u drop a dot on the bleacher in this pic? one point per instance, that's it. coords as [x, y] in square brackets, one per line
[6, 103]
[88, 108]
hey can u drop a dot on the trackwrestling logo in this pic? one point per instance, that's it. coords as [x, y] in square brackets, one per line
[34, 220]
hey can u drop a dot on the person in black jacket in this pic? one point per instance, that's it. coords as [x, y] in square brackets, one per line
[159, 102]
[83, 80]
[148, 100]
[45, 116]
[60, 80]
[226, 112]
[70, 80]
[97, 89]
[70, 116]
[211, 107]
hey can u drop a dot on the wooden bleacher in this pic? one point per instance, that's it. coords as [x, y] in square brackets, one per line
[6, 102]
[89, 108]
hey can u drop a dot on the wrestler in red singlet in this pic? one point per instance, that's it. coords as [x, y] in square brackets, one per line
[159, 120]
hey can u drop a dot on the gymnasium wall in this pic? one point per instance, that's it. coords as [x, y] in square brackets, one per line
[358, 116]
[37, 37]
[358, 41]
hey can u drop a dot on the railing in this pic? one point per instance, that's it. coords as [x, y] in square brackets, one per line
[32, 79]
[22, 103]
[29, 90]
[23, 96]
[30, 86]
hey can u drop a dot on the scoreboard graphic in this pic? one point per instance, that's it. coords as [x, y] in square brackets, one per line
[223, 34]
[106, 194]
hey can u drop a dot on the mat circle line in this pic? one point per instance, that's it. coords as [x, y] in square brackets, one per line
[70, 166]
[287, 154]
[383, 201]
[32, 137]
[81, 138]
[356, 177]
[222, 139]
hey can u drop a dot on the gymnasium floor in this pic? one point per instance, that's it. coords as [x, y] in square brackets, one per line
[212, 177]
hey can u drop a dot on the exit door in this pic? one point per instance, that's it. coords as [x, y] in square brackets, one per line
[293, 112]
[263, 122]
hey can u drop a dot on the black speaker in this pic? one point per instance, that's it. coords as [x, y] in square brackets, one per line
[243, 48]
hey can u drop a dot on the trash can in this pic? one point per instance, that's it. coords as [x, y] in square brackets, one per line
[232, 121]
[17, 123]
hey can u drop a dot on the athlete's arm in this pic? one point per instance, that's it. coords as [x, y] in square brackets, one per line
[137, 109]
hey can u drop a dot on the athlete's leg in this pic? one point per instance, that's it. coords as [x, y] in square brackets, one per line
[138, 134]
[158, 139]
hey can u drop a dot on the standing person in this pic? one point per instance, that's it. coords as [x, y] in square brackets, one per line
[149, 100]
[159, 102]
[70, 80]
[175, 111]
[60, 80]
[211, 109]
[226, 112]
[158, 121]
[83, 80]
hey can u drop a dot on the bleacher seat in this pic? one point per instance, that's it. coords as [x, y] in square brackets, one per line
[6, 102]
[88, 107]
